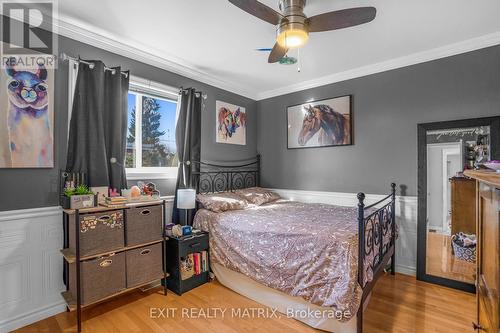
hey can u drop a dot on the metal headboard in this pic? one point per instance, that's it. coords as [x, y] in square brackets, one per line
[224, 177]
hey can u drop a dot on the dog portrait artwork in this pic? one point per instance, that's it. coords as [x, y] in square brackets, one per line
[26, 116]
[320, 124]
[231, 123]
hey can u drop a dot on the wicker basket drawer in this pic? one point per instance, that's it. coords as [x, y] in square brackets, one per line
[144, 265]
[99, 232]
[144, 224]
[100, 278]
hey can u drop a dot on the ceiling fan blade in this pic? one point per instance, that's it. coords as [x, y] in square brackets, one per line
[341, 19]
[277, 53]
[259, 10]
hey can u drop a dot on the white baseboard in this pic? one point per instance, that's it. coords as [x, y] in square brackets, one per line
[32, 317]
[406, 218]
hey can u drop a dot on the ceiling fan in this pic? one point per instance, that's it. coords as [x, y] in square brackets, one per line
[293, 26]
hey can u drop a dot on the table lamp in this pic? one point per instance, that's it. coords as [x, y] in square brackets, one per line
[186, 199]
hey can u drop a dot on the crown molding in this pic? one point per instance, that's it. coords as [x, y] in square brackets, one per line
[405, 61]
[91, 35]
[80, 31]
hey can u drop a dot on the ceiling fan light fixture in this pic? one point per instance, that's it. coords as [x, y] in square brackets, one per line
[292, 38]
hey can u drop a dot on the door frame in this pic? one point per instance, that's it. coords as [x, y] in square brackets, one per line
[494, 123]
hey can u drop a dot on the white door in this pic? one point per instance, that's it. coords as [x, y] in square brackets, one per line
[443, 162]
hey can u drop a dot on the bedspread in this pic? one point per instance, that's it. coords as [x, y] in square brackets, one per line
[305, 250]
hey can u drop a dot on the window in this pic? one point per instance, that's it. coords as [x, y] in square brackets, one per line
[152, 114]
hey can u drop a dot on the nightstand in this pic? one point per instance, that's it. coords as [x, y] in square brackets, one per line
[178, 249]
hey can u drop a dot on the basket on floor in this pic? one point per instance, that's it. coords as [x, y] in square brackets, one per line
[467, 253]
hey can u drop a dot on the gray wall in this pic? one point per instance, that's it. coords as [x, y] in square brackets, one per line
[30, 188]
[386, 109]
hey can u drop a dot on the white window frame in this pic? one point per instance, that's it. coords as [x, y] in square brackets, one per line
[142, 87]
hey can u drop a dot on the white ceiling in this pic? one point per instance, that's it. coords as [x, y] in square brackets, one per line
[213, 41]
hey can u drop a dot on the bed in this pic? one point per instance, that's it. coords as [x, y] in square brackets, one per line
[298, 257]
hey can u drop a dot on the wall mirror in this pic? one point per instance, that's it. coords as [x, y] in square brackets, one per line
[447, 210]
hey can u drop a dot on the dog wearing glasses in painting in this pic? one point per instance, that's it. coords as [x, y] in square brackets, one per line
[28, 121]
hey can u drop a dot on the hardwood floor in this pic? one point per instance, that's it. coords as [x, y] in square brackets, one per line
[441, 261]
[399, 304]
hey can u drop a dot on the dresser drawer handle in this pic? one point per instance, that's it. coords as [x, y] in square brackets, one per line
[146, 212]
[145, 252]
[106, 263]
[194, 244]
[104, 218]
[477, 327]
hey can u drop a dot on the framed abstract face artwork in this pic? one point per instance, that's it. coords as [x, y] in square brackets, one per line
[321, 123]
[26, 116]
[231, 123]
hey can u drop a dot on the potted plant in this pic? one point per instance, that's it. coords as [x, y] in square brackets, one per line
[79, 197]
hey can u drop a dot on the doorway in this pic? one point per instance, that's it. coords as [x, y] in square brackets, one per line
[443, 161]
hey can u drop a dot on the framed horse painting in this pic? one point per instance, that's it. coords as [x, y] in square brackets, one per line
[321, 123]
[231, 123]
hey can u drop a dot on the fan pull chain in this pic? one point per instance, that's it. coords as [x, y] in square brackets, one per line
[299, 62]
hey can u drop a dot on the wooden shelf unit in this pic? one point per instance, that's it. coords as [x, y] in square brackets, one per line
[70, 257]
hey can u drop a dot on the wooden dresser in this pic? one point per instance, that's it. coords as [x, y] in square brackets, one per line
[463, 212]
[488, 250]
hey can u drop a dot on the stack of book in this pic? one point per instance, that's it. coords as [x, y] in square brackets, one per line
[194, 264]
[115, 201]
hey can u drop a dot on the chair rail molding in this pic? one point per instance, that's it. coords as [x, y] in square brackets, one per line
[406, 219]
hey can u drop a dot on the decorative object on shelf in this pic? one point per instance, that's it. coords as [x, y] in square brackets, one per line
[169, 229]
[148, 189]
[101, 192]
[186, 199]
[26, 135]
[79, 197]
[187, 230]
[482, 150]
[186, 267]
[127, 193]
[320, 124]
[135, 192]
[493, 165]
[113, 192]
[231, 123]
[114, 201]
[177, 230]
[470, 155]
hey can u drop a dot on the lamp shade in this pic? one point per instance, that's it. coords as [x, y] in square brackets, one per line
[186, 198]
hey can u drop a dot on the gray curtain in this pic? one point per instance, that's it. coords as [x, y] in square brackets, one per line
[98, 128]
[188, 140]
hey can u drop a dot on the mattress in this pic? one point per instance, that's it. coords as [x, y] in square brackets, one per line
[303, 250]
[291, 307]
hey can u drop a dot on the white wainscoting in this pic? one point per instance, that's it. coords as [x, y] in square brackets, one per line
[31, 266]
[406, 218]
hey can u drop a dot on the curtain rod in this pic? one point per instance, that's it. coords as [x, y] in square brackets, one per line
[91, 65]
[182, 90]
